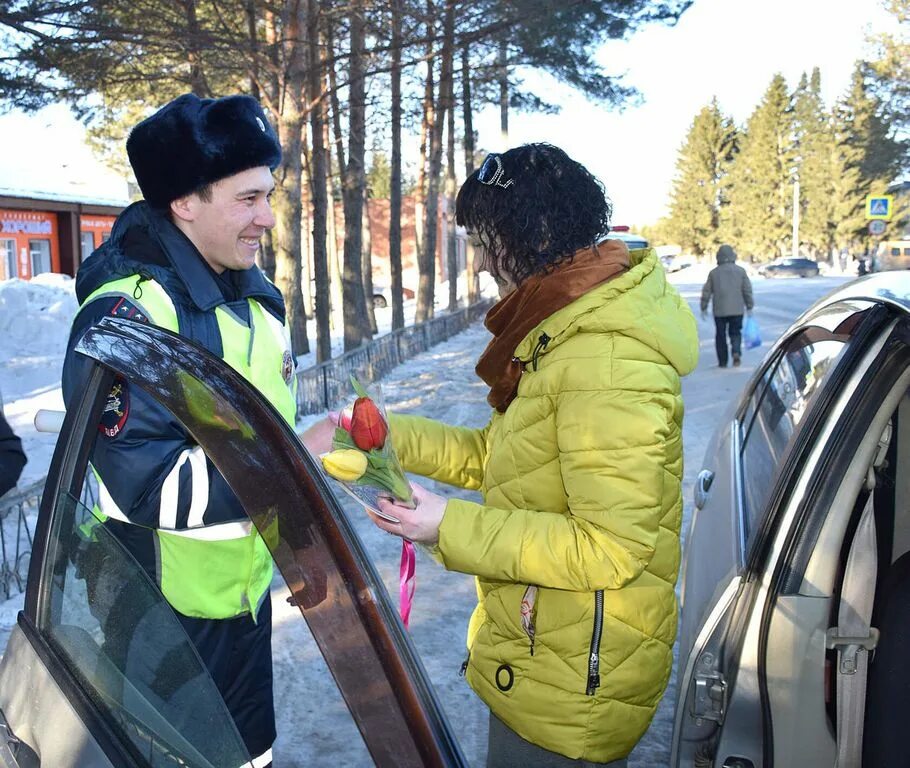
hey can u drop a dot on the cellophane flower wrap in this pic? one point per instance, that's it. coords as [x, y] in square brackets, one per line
[363, 461]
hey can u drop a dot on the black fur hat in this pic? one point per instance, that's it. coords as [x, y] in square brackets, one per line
[191, 142]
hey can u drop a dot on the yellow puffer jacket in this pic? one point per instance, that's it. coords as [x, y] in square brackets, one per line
[581, 483]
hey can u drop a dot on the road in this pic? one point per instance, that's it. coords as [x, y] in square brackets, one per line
[314, 729]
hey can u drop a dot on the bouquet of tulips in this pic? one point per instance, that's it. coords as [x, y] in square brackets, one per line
[363, 461]
[362, 458]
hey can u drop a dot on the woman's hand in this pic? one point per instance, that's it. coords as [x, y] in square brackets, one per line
[318, 438]
[420, 524]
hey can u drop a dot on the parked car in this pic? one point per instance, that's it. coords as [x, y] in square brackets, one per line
[797, 560]
[677, 263]
[98, 672]
[789, 267]
[632, 241]
[891, 254]
[382, 295]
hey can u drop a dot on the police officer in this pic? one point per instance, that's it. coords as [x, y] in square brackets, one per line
[184, 259]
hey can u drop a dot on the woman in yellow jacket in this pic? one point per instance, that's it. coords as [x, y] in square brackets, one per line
[576, 544]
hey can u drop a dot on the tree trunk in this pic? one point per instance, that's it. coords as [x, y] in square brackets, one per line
[356, 325]
[429, 108]
[503, 75]
[334, 260]
[366, 262]
[318, 182]
[427, 285]
[451, 243]
[395, 193]
[287, 197]
[250, 10]
[467, 112]
[306, 241]
[198, 83]
[338, 144]
[267, 255]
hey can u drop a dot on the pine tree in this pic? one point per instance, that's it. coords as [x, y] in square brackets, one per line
[379, 177]
[866, 160]
[891, 68]
[699, 190]
[815, 150]
[758, 217]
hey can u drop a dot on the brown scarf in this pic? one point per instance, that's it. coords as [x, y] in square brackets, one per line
[512, 318]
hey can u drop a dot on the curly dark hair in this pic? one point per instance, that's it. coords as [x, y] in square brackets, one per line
[553, 208]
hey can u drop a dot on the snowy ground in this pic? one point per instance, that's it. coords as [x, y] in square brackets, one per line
[314, 729]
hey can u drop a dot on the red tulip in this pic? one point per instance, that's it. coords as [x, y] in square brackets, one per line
[368, 428]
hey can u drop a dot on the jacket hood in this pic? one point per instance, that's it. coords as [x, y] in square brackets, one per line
[143, 240]
[640, 304]
[725, 255]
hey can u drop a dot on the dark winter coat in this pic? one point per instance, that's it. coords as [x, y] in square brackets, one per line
[12, 457]
[728, 287]
[145, 245]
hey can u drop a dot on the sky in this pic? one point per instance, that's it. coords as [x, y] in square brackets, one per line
[724, 48]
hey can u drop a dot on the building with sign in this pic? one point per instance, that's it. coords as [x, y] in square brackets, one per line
[57, 202]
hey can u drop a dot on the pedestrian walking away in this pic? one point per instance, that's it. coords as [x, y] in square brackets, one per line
[729, 291]
[184, 259]
[575, 544]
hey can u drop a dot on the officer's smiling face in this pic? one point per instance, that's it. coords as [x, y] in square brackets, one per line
[227, 229]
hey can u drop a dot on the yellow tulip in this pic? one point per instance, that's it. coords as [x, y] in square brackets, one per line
[345, 464]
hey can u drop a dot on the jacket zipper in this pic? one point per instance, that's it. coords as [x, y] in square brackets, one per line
[594, 657]
[541, 346]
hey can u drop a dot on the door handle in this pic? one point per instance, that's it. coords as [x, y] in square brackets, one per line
[738, 762]
[702, 485]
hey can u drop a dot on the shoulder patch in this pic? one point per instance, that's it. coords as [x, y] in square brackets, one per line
[125, 308]
[116, 409]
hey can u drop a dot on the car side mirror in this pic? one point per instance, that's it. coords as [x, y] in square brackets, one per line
[702, 486]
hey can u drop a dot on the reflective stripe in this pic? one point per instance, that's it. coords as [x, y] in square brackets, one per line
[170, 490]
[200, 500]
[218, 532]
[261, 761]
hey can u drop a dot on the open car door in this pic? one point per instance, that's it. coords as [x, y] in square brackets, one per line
[70, 690]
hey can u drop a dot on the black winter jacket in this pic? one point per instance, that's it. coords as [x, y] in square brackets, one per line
[143, 450]
[12, 457]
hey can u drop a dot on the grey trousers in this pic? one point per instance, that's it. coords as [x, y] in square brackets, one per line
[506, 749]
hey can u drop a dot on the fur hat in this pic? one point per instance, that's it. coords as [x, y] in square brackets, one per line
[192, 142]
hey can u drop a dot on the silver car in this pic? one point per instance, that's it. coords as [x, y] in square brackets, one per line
[796, 582]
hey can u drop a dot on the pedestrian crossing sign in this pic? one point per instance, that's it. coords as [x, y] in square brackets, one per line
[879, 207]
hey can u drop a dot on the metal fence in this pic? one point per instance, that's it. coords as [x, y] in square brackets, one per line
[324, 385]
[319, 388]
[16, 508]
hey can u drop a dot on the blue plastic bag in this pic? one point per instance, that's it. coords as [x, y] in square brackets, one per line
[751, 334]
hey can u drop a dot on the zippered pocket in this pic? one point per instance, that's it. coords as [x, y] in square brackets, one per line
[528, 614]
[594, 655]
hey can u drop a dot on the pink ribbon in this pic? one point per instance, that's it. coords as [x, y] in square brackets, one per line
[407, 582]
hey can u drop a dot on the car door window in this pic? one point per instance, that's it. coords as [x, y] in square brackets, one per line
[120, 639]
[367, 660]
[780, 400]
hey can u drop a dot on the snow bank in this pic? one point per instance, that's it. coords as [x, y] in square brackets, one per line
[35, 315]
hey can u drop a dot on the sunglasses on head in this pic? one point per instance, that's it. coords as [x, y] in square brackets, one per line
[491, 172]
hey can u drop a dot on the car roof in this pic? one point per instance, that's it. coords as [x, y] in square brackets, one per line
[628, 238]
[891, 288]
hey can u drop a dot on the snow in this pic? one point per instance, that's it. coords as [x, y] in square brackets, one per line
[313, 725]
